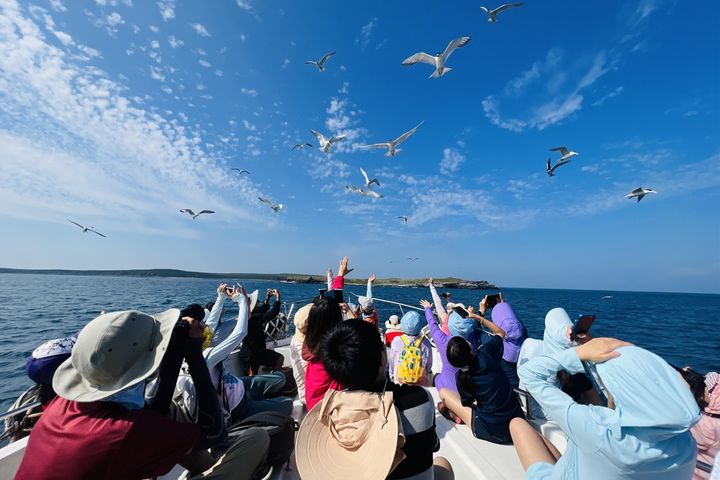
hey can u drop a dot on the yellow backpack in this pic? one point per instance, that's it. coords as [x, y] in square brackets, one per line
[412, 361]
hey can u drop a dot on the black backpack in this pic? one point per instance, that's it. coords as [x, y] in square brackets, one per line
[281, 429]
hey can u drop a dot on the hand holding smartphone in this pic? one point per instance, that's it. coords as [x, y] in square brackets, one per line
[581, 326]
[492, 300]
[461, 311]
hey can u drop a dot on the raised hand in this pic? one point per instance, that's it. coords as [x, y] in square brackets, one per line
[343, 267]
[600, 349]
[222, 289]
[372, 278]
[238, 292]
[425, 304]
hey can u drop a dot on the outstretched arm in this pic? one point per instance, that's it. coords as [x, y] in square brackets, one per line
[214, 318]
[368, 291]
[438, 303]
[496, 330]
[220, 352]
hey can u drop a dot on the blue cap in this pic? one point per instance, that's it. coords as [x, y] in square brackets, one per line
[460, 327]
[411, 323]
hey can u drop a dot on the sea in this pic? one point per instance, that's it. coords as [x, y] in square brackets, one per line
[680, 327]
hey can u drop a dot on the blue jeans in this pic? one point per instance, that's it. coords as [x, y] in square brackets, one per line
[257, 390]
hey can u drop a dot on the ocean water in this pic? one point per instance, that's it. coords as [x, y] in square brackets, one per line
[682, 328]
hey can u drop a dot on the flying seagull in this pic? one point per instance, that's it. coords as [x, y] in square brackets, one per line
[239, 171]
[412, 259]
[494, 13]
[269, 203]
[362, 191]
[551, 169]
[320, 63]
[438, 60]
[301, 146]
[639, 193]
[87, 229]
[193, 214]
[564, 152]
[368, 181]
[326, 143]
[404, 219]
[391, 144]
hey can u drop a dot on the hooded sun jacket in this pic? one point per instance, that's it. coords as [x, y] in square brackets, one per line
[645, 437]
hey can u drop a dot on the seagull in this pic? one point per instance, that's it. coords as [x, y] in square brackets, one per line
[564, 152]
[438, 60]
[269, 203]
[391, 144]
[606, 297]
[193, 214]
[87, 229]
[326, 143]
[404, 219]
[640, 192]
[494, 13]
[368, 182]
[239, 171]
[301, 146]
[412, 259]
[362, 191]
[320, 63]
[551, 170]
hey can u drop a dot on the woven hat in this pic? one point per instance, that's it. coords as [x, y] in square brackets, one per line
[350, 435]
[114, 351]
[300, 320]
[393, 323]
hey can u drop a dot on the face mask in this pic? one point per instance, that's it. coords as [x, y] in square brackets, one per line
[132, 398]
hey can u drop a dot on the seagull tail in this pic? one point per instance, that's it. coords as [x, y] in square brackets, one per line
[445, 71]
[391, 154]
[435, 74]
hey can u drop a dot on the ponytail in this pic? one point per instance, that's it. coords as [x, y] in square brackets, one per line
[460, 356]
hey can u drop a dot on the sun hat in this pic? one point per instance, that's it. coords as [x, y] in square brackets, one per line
[393, 323]
[300, 320]
[46, 358]
[366, 304]
[711, 379]
[411, 323]
[460, 327]
[114, 351]
[350, 435]
[194, 310]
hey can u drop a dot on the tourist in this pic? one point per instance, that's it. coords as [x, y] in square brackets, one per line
[99, 426]
[504, 317]
[707, 430]
[367, 310]
[298, 363]
[392, 329]
[43, 362]
[411, 352]
[440, 311]
[488, 402]
[354, 356]
[323, 316]
[644, 433]
[254, 352]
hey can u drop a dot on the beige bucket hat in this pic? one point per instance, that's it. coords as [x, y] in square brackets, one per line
[114, 351]
[350, 435]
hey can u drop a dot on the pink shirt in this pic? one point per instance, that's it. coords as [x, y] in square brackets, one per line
[317, 382]
[707, 434]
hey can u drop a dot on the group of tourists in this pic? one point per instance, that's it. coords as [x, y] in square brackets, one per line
[132, 394]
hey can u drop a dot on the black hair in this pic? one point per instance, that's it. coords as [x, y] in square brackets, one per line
[323, 316]
[209, 306]
[460, 356]
[352, 354]
[696, 382]
[194, 310]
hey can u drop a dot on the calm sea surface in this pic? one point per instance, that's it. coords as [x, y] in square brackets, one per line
[682, 328]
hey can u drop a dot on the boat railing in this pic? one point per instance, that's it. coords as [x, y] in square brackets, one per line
[16, 411]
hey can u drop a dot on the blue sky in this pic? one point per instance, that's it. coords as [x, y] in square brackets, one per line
[118, 113]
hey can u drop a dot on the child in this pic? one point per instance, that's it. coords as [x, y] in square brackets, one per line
[392, 329]
[411, 353]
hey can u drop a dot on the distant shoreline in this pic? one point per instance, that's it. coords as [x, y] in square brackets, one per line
[449, 282]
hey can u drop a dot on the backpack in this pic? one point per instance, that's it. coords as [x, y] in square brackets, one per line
[413, 359]
[281, 429]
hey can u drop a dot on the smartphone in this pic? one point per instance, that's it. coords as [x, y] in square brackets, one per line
[461, 311]
[492, 300]
[322, 292]
[582, 326]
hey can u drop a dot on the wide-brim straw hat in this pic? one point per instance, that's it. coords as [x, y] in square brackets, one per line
[114, 351]
[350, 435]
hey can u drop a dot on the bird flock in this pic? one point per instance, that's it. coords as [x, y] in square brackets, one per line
[439, 63]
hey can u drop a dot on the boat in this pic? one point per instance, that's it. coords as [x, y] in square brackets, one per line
[470, 457]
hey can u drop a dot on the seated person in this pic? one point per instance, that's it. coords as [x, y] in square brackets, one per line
[392, 329]
[488, 402]
[504, 317]
[99, 425]
[411, 352]
[298, 364]
[43, 362]
[353, 355]
[367, 310]
[643, 433]
[707, 431]
[254, 352]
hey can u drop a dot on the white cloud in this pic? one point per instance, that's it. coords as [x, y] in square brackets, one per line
[155, 44]
[200, 87]
[57, 5]
[64, 38]
[156, 74]
[617, 91]
[250, 92]
[154, 28]
[243, 37]
[167, 9]
[451, 161]
[343, 119]
[249, 126]
[174, 42]
[366, 33]
[218, 72]
[204, 63]
[245, 5]
[200, 29]
[285, 64]
[90, 52]
[114, 19]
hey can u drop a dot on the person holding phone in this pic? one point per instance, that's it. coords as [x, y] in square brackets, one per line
[515, 333]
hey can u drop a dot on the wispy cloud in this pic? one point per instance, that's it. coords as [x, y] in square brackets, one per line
[249, 126]
[614, 93]
[57, 5]
[451, 161]
[167, 9]
[175, 42]
[250, 92]
[245, 5]
[365, 33]
[200, 29]
[343, 119]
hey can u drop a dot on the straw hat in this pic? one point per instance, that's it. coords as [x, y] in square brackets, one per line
[300, 320]
[350, 435]
[393, 323]
[114, 351]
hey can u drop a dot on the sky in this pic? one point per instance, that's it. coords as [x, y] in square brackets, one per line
[119, 113]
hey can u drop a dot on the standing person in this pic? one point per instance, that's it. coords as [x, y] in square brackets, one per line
[357, 428]
[392, 329]
[504, 317]
[368, 312]
[643, 433]
[99, 425]
[298, 363]
[707, 430]
[411, 353]
[254, 351]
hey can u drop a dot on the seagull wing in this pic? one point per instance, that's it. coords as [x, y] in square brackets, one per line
[311, 62]
[95, 231]
[637, 191]
[188, 211]
[205, 211]
[266, 201]
[548, 168]
[405, 135]
[457, 43]
[485, 9]
[325, 57]
[353, 188]
[372, 193]
[75, 223]
[563, 151]
[335, 139]
[319, 136]
[419, 57]
[365, 175]
[374, 145]
[507, 6]
[297, 145]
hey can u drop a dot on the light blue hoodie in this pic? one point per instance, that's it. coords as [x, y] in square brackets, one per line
[645, 437]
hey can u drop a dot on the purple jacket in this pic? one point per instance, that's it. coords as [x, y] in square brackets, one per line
[504, 317]
[446, 378]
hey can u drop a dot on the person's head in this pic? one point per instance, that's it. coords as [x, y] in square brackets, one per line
[712, 392]
[411, 323]
[352, 354]
[194, 310]
[696, 383]
[323, 316]
[209, 306]
[393, 323]
[558, 328]
[367, 306]
[460, 327]
[460, 355]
